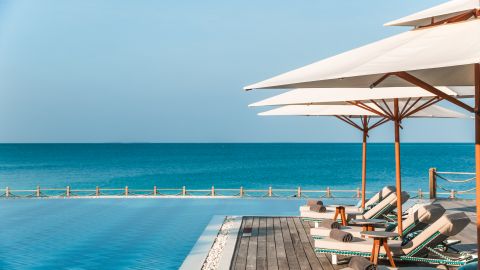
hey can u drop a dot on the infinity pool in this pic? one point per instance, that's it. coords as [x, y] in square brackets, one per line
[114, 233]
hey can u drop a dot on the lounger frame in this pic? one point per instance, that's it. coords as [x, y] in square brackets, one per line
[410, 257]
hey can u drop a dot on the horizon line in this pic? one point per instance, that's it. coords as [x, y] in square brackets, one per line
[280, 142]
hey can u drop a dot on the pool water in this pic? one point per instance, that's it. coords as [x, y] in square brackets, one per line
[114, 233]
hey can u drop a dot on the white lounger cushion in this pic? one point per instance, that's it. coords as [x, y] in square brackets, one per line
[350, 208]
[383, 193]
[324, 232]
[446, 226]
[426, 214]
[329, 214]
[357, 245]
[388, 202]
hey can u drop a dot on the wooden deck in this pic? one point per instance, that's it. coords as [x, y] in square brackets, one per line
[285, 242]
[277, 243]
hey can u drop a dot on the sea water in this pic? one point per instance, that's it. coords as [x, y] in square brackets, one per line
[200, 166]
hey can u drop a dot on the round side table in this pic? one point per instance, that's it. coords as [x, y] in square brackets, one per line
[380, 239]
[368, 225]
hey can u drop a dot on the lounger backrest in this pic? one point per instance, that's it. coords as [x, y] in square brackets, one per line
[422, 217]
[386, 206]
[382, 194]
[444, 227]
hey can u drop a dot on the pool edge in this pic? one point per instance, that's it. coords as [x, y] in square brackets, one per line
[199, 253]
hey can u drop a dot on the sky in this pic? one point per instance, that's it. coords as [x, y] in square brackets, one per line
[174, 71]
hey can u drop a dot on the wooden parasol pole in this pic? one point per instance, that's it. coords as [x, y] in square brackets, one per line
[364, 160]
[477, 149]
[398, 177]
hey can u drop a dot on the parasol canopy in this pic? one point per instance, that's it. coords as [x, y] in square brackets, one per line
[343, 95]
[353, 111]
[443, 55]
[437, 13]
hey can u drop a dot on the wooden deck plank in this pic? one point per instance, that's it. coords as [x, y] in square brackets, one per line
[307, 246]
[237, 244]
[289, 249]
[271, 248]
[262, 244]
[280, 246]
[252, 246]
[322, 258]
[242, 251]
[297, 245]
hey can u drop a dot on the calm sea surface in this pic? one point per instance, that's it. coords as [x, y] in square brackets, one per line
[311, 166]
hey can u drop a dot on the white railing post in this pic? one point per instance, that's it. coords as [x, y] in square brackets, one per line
[452, 194]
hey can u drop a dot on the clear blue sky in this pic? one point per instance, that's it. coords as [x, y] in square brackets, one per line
[173, 71]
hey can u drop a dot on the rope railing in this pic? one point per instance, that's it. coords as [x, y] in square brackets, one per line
[439, 175]
[270, 192]
[451, 183]
[448, 179]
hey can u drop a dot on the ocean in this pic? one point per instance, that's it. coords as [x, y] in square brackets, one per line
[159, 233]
[223, 165]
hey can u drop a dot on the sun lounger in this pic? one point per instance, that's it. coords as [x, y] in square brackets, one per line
[418, 220]
[383, 193]
[383, 208]
[420, 249]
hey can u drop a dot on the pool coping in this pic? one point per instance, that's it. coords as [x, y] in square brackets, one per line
[200, 251]
[229, 249]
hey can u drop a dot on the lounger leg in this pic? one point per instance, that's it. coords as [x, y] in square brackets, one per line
[343, 216]
[377, 251]
[334, 259]
[315, 224]
[373, 251]
[336, 214]
[389, 253]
